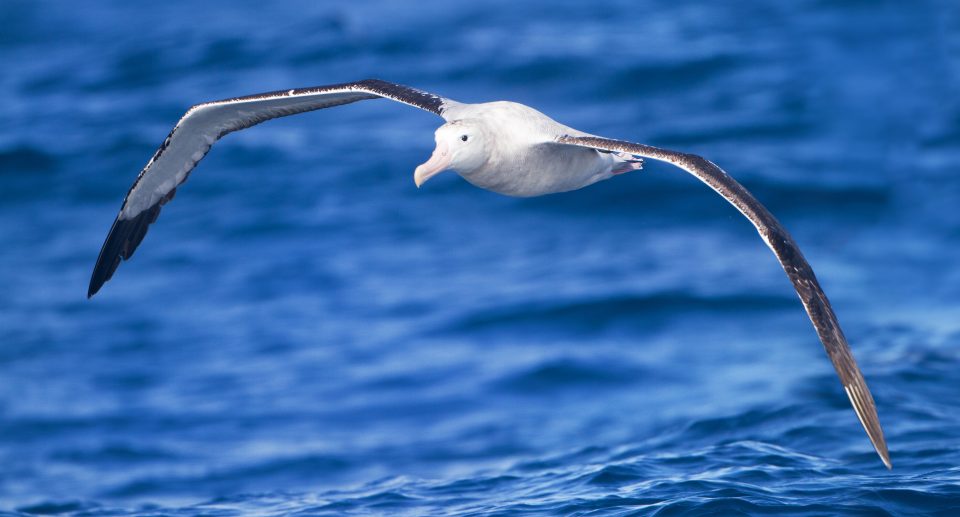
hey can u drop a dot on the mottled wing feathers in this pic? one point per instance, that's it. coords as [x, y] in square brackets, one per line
[204, 124]
[798, 270]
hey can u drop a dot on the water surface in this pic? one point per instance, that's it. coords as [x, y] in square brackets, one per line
[303, 331]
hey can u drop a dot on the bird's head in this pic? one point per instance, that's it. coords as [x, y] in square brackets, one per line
[461, 145]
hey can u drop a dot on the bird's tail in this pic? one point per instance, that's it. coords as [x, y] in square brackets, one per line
[626, 162]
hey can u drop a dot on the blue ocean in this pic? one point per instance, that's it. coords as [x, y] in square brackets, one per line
[304, 332]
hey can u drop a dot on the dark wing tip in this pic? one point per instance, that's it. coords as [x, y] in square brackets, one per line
[124, 237]
[866, 410]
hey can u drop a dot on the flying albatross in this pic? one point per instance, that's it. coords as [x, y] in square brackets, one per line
[505, 147]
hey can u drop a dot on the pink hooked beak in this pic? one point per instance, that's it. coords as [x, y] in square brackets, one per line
[437, 163]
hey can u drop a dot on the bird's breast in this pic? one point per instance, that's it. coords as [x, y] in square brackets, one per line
[540, 169]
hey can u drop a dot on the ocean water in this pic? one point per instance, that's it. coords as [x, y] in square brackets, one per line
[305, 332]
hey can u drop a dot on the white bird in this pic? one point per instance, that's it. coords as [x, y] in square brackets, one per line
[501, 146]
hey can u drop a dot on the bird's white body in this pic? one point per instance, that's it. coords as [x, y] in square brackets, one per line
[521, 155]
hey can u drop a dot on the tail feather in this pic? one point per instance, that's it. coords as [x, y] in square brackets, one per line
[626, 162]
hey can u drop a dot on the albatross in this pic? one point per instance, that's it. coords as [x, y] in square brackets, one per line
[500, 146]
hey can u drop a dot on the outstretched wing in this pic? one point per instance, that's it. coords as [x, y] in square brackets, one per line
[204, 124]
[787, 251]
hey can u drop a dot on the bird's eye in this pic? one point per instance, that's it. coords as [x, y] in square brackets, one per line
[463, 138]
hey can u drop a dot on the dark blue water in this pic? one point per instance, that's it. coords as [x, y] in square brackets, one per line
[304, 332]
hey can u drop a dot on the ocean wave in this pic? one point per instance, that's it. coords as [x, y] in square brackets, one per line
[573, 374]
[26, 160]
[585, 314]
